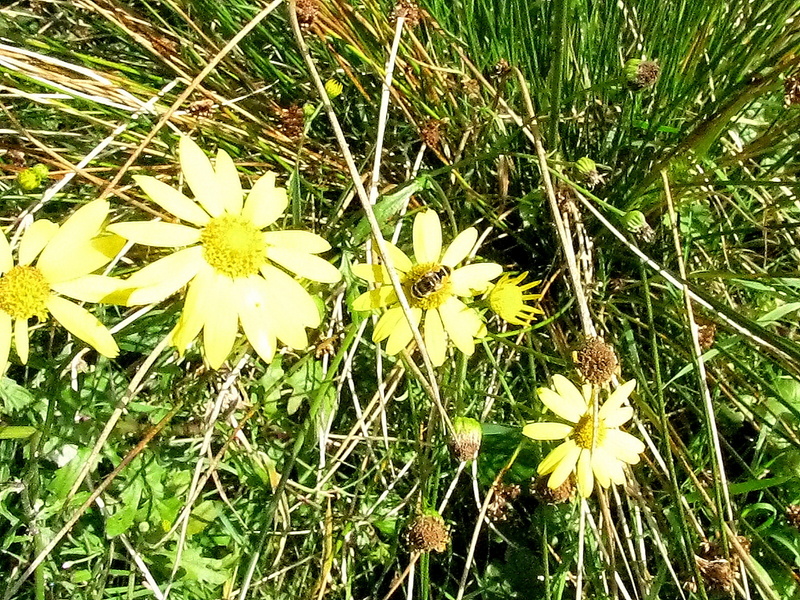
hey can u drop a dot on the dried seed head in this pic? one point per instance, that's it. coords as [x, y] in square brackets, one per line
[472, 88]
[292, 121]
[500, 506]
[718, 574]
[431, 132]
[501, 68]
[596, 361]
[409, 10]
[641, 74]
[201, 109]
[307, 11]
[791, 90]
[707, 332]
[544, 493]
[466, 441]
[793, 515]
[427, 532]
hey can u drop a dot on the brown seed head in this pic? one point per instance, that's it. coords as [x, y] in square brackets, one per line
[431, 132]
[427, 532]
[499, 507]
[201, 109]
[544, 493]
[596, 361]
[707, 332]
[307, 11]
[292, 121]
[791, 90]
[793, 515]
[409, 10]
[718, 574]
[501, 68]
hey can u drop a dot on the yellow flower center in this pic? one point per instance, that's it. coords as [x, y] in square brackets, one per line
[233, 246]
[24, 292]
[583, 433]
[428, 285]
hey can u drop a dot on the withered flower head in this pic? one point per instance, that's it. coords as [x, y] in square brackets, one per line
[466, 441]
[791, 90]
[500, 506]
[642, 74]
[431, 132]
[292, 121]
[427, 532]
[307, 11]
[793, 515]
[559, 495]
[409, 10]
[707, 332]
[596, 361]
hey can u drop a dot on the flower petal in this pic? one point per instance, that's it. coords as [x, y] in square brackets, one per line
[616, 399]
[299, 241]
[474, 279]
[6, 264]
[387, 324]
[83, 325]
[371, 272]
[555, 456]
[291, 298]
[460, 247]
[156, 233]
[91, 288]
[427, 237]
[304, 264]
[230, 187]
[401, 336]
[254, 316]
[399, 259]
[547, 431]
[566, 466]
[435, 338]
[21, 341]
[82, 226]
[377, 298]
[200, 176]
[79, 259]
[619, 417]
[164, 277]
[265, 202]
[5, 339]
[35, 239]
[623, 445]
[602, 462]
[461, 323]
[585, 475]
[197, 305]
[172, 201]
[573, 404]
[222, 325]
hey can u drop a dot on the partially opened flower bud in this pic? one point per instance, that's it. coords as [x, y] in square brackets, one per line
[466, 441]
[635, 222]
[426, 532]
[28, 180]
[333, 88]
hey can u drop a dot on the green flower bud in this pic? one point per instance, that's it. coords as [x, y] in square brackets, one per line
[28, 180]
[308, 109]
[635, 222]
[586, 166]
[41, 170]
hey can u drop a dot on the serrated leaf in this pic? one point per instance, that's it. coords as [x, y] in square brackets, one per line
[14, 397]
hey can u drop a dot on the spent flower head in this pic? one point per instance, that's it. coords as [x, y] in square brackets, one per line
[235, 270]
[433, 283]
[594, 448]
[54, 262]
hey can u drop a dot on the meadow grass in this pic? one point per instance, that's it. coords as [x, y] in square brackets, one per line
[152, 475]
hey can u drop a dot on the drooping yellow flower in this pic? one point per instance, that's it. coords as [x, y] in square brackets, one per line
[508, 299]
[236, 272]
[594, 450]
[35, 287]
[432, 284]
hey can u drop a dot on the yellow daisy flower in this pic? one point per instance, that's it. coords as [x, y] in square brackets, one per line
[35, 287]
[236, 272]
[508, 299]
[432, 284]
[594, 450]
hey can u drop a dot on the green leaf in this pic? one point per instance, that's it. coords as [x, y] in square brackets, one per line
[14, 396]
[203, 514]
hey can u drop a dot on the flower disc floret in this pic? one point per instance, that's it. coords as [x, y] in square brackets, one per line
[432, 300]
[233, 245]
[24, 292]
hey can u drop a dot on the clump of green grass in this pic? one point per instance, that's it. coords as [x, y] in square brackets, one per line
[300, 476]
